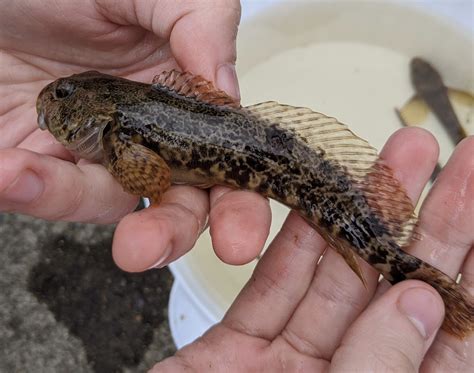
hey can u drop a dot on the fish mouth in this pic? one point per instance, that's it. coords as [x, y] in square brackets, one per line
[42, 120]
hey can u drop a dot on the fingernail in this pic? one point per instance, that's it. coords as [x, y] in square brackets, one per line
[162, 260]
[227, 80]
[25, 189]
[423, 309]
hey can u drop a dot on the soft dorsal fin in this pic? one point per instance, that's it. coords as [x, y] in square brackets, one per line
[194, 86]
[337, 143]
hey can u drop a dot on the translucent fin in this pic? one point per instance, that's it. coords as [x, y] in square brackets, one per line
[322, 133]
[335, 142]
[414, 112]
[189, 85]
[388, 198]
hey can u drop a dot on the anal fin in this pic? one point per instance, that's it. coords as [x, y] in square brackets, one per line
[349, 256]
[351, 259]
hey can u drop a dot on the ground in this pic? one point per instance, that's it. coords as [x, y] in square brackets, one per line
[66, 307]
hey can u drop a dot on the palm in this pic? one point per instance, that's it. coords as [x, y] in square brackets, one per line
[101, 45]
[301, 312]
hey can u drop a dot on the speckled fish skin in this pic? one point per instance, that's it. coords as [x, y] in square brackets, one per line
[205, 144]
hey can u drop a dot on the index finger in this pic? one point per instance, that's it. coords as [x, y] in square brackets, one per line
[53, 189]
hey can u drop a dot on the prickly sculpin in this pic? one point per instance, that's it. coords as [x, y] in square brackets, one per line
[180, 129]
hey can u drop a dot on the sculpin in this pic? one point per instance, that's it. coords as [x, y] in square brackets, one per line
[180, 129]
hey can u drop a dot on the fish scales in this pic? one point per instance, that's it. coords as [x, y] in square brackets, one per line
[182, 130]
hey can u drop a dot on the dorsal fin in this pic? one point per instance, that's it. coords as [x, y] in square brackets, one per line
[337, 143]
[194, 86]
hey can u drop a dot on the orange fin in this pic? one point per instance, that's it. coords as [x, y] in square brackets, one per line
[138, 169]
[349, 256]
[388, 198]
[351, 259]
[194, 86]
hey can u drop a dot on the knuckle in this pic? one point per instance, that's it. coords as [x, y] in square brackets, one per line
[392, 359]
[453, 357]
[334, 291]
[70, 208]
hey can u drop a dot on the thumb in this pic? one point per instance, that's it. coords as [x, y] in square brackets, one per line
[201, 33]
[204, 42]
[394, 333]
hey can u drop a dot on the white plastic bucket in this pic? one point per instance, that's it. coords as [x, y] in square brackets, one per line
[302, 54]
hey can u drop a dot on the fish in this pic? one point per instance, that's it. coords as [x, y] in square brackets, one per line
[180, 129]
[431, 91]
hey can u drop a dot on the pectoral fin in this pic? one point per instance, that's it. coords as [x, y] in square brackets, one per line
[138, 169]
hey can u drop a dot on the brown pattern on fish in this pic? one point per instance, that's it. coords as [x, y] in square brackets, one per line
[184, 131]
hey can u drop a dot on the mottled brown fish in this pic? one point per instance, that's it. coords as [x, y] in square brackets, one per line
[180, 129]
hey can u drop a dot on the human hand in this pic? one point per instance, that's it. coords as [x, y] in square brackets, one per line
[40, 41]
[295, 315]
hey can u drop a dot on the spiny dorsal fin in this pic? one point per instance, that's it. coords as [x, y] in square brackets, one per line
[195, 86]
[337, 143]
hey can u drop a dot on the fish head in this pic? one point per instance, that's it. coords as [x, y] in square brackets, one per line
[77, 110]
[424, 76]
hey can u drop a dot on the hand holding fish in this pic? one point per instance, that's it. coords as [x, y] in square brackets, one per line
[296, 314]
[180, 129]
[40, 41]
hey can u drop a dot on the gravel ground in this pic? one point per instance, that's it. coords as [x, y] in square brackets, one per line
[65, 307]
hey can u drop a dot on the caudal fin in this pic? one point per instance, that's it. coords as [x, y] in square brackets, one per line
[459, 304]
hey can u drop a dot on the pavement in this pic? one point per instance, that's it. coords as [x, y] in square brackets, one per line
[66, 307]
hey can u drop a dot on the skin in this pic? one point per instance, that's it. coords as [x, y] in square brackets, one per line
[25, 67]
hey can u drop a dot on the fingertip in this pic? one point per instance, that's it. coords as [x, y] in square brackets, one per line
[154, 237]
[139, 243]
[412, 154]
[406, 140]
[227, 80]
[422, 306]
[397, 330]
[197, 46]
[239, 225]
[19, 184]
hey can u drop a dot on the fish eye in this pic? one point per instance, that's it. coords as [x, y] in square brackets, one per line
[63, 90]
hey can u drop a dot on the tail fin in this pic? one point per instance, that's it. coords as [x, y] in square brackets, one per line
[459, 304]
